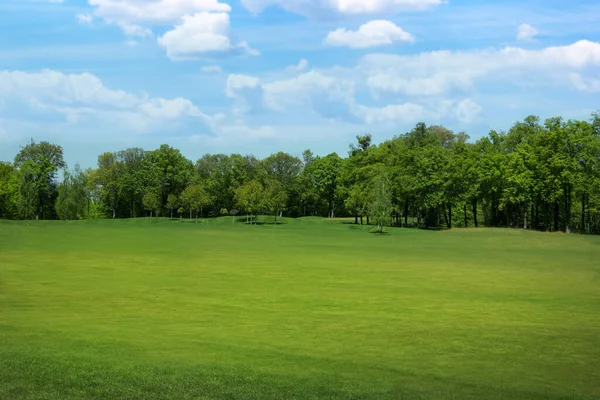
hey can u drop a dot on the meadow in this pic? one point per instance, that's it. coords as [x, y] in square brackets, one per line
[309, 309]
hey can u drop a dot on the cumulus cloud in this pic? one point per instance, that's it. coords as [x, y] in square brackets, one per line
[309, 88]
[78, 104]
[372, 34]
[79, 97]
[467, 111]
[236, 83]
[408, 112]
[200, 27]
[129, 12]
[317, 8]
[436, 84]
[589, 85]
[526, 33]
[202, 34]
[440, 72]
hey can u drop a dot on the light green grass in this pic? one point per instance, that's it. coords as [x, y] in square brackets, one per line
[307, 309]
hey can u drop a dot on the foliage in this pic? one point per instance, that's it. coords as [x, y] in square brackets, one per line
[381, 202]
[542, 175]
[251, 197]
[151, 202]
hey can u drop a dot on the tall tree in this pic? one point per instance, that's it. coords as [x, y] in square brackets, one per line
[381, 202]
[44, 159]
[275, 197]
[251, 197]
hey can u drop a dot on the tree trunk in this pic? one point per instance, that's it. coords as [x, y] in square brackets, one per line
[361, 219]
[190, 214]
[556, 216]
[368, 223]
[356, 220]
[114, 213]
[150, 213]
[568, 209]
[475, 213]
[171, 213]
[525, 220]
[465, 213]
[583, 213]
[445, 216]
[450, 216]
[532, 213]
[537, 214]
[406, 214]
[275, 217]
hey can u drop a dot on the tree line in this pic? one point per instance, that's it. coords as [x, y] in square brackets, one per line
[538, 175]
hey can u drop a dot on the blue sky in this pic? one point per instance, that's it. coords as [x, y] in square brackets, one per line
[259, 76]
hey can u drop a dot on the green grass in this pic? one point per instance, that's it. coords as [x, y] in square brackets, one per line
[309, 309]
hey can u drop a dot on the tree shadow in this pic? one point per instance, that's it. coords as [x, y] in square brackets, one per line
[384, 233]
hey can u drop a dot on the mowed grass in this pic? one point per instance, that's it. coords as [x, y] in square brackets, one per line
[311, 309]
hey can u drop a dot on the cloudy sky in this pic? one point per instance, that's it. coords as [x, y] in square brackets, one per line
[258, 76]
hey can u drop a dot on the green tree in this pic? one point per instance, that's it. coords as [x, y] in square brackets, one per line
[172, 203]
[251, 197]
[194, 198]
[109, 180]
[151, 202]
[28, 197]
[73, 196]
[9, 190]
[44, 160]
[381, 202]
[275, 197]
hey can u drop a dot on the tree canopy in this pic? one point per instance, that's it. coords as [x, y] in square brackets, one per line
[542, 175]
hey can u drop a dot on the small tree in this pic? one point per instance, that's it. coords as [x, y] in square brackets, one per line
[275, 197]
[381, 202]
[172, 203]
[28, 196]
[194, 198]
[151, 202]
[250, 196]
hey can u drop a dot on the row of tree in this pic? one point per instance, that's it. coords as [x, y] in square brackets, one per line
[543, 176]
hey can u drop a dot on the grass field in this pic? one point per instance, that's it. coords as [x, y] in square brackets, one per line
[310, 309]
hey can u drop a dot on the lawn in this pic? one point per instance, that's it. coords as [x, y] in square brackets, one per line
[311, 309]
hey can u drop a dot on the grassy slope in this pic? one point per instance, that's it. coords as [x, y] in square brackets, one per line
[309, 309]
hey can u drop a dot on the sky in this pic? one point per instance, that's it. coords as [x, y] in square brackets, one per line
[261, 76]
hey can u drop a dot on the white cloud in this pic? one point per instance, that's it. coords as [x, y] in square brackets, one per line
[80, 97]
[316, 8]
[439, 72]
[589, 85]
[84, 18]
[526, 33]
[207, 69]
[135, 30]
[301, 66]
[407, 112]
[372, 34]
[202, 34]
[236, 83]
[80, 104]
[436, 84]
[309, 88]
[134, 12]
[467, 111]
